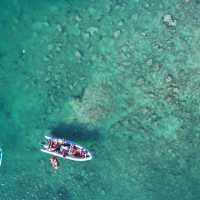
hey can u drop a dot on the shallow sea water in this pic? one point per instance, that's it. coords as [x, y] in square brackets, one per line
[120, 77]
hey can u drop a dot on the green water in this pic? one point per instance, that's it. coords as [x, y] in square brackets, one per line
[121, 77]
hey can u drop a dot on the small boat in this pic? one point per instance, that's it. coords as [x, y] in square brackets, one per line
[66, 149]
[1, 156]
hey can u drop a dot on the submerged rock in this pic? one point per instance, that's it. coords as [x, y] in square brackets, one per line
[169, 78]
[116, 34]
[77, 18]
[59, 28]
[92, 30]
[149, 62]
[169, 20]
[50, 47]
[78, 54]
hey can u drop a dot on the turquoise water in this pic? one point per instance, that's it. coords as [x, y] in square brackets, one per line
[120, 77]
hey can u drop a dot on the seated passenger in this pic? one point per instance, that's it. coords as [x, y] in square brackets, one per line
[83, 154]
[74, 151]
[64, 150]
[53, 145]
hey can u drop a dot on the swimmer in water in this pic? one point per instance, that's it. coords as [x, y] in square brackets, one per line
[54, 162]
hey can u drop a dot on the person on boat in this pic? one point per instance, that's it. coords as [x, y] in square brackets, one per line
[64, 150]
[54, 162]
[83, 154]
[74, 151]
[54, 144]
[70, 151]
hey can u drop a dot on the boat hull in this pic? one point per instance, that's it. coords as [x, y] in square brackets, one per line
[67, 157]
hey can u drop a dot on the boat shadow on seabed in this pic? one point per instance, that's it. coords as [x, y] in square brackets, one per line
[75, 132]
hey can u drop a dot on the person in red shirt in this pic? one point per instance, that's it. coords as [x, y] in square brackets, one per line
[74, 151]
[54, 144]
